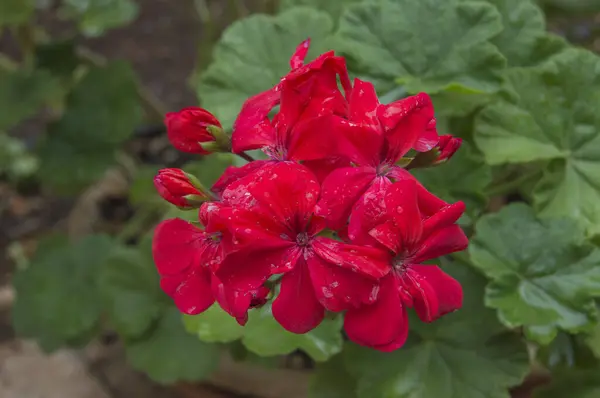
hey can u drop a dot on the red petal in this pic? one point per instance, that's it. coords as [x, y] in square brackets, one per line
[382, 324]
[444, 217]
[323, 167]
[364, 104]
[340, 192]
[338, 288]
[368, 261]
[233, 174]
[248, 270]
[368, 212]
[434, 292]
[297, 308]
[191, 293]
[402, 208]
[429, 139]
[405, 121]
[445, 241]
[299, 55]
[316, 138]
[179, 245]
[361, 144]
[235, 302]
[251, 129]
[387, 234]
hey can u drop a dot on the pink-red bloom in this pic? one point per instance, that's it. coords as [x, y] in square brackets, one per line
[375, 138]
[272, 230]
[187, 256]
[176, 187]
[394, 222]
[189, 127]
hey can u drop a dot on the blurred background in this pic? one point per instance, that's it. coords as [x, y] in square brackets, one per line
[84, 85]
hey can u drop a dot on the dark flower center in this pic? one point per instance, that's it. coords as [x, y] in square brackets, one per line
[302, 239]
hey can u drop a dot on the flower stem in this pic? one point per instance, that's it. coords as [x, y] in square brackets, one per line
[245, 156]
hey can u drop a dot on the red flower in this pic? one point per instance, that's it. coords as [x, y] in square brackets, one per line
[177, 187]
[447, 147]
[376, 137]
[186, 258]
[393, 221]
[272, 230]
[189, 127]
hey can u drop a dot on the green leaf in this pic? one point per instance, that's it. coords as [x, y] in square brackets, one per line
[524, 41]
[213, 326]
[265, 337]
[15, 12]
[102, 112]
[572, 384]
[462, 355]
[332, 380]
[543, 275]
[551, 115]
[333, 8]
[15, 159]
[464, 177]
[58, 58]
[130, 287]
[253, 55]
[22, 94]
[169, 354]
[210, 168]
[57, 295]
[96, 16]
[455, 62]
[142, 189]
[575, 6]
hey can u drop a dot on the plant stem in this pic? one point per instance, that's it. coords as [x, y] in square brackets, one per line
[512, 185]
[245, 156]
[154, 107]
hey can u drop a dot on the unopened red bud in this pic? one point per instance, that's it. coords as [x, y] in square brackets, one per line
[191, 126]
[441, 153]
[179, 188]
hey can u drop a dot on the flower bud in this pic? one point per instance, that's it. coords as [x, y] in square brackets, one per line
[179, 188]
[441, 153]
[192, 126]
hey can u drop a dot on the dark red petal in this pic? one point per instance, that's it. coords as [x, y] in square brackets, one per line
[403, 209]
[234, 302]
[368, 212]
[340, 192]
[248, 270]
[251, 129]
[297, 308]
[429, 139]
[388, 235]
[188, 127]
[381, 324]
[364, 104]
[445, 241]
[338, 288]
[299, 55]
[191, 293]
[434, 292]
[323, 167]
[287, 192]
[177, 246]
[429, 204]
[361, 144]
[316, 138]
[233, 174]
[405, 121]
[369, 261]
[444, 217]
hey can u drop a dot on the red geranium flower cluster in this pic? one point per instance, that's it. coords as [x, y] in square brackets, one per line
[332, 215]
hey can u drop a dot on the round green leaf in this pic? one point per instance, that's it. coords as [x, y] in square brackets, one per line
[169, 354]
[451, 59]
[253, 55]
[543, 275]
[550, 114]
[130, 287]
[213, 326]
[57, 295]
[462, 355]
[265, 337]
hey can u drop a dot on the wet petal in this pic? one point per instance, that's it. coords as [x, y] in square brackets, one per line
[383, 324]
[369, 261]
[297, 59]
[429, 139]
[444, 217]
[191, 292]
[235, 302]
[403, 209]
[444, 241]
[321, 168]
[368, 212]
[434, 292]
[252, 129]
[232, 174]
[340, 192]
[297, 308]
[364, 104]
